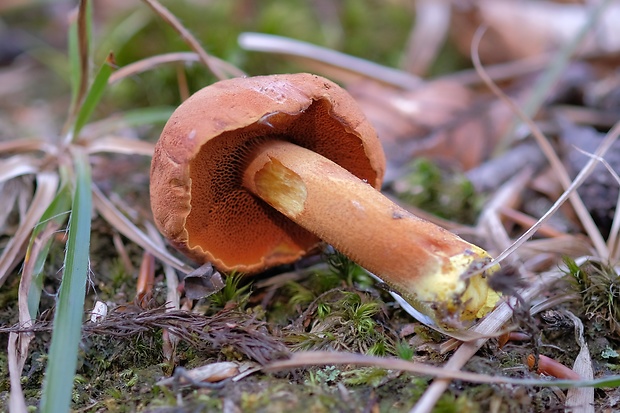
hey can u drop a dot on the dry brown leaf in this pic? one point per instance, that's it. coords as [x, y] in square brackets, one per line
[211, 373]
[202, 282]
[520, 29]
[442, 120]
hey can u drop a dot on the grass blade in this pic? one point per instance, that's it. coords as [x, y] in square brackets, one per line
[58, 384]
[94, 95]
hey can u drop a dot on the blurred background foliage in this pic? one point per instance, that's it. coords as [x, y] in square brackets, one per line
[371, 29]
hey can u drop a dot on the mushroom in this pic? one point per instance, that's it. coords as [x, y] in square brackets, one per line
[251, 173]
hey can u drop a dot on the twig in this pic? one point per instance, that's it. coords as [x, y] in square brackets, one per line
[152, 62]
[191, 41]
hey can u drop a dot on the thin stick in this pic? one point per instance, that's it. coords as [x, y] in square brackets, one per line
[191, 41]
[152, 62]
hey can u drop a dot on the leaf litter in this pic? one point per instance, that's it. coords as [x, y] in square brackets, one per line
[465, 129]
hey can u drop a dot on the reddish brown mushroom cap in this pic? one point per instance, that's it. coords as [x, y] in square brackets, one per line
[197, 196]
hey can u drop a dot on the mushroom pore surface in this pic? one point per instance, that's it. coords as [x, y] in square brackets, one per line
[197, 196]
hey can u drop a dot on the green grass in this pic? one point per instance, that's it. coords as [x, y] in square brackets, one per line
[62, 363]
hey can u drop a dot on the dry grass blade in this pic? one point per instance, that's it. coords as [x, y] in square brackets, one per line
[339, 65]
[111, 214]
[19, 343]
[614, 242]
[599, 243]
[316, 358]
[18, 165]
[568, 245]
[432, 23]
[173, 298]
[580, 209]
[47, 184]
[191, 41]
[153, 62]
[526, 220]
[17, 403]
[115, 144]
[146, 279]
[25, 145]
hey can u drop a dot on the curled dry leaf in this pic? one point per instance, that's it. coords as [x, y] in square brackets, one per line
[202, 282]
[443, 120]
[211, 373]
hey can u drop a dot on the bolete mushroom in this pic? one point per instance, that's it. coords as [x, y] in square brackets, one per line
[254, 172]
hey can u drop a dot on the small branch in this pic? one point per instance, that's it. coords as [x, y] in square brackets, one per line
[191, 41]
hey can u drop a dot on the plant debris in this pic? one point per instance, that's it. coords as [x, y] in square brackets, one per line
[230, 327]
[504, 134]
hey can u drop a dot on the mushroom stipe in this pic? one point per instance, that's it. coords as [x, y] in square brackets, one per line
[255, 172]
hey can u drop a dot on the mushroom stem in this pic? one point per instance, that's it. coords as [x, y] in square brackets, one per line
[429, 266]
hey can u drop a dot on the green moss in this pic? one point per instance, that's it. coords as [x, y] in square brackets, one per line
[234, 292]
[366, 376]
[448, 195]
[599, 287]
[342, 267]
[448, 403]
[404, 350]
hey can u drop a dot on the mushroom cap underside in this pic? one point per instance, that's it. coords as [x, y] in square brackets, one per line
[197, 196]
